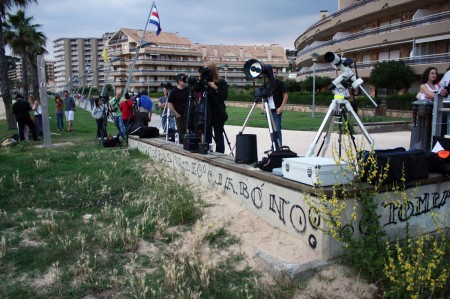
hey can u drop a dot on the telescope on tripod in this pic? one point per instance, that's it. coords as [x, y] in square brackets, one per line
[246, 151]
[339, 105]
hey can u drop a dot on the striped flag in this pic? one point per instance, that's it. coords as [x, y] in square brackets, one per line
[154, 19]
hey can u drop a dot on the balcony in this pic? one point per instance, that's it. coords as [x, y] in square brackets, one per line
[413, 25]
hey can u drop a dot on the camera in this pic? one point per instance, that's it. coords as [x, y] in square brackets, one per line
[103, 99]
[189, 80]
[205, 74]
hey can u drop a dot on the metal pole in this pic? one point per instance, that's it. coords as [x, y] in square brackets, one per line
[137, 51]
[314, 90]
[93, 78]
[131, 70]
[44, 101]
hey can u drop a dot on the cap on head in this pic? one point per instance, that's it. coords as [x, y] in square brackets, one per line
[180, 76]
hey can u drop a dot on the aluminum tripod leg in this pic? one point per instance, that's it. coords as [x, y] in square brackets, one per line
[329, 117]
[331, 109]
[369, 138]
[272, 128]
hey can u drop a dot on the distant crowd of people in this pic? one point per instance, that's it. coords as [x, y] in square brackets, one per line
[136, 108]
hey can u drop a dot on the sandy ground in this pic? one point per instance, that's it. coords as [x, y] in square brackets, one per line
[333, 281]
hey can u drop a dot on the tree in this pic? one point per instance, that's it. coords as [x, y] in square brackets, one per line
[393, 75]
[6, 5]
[24, 39]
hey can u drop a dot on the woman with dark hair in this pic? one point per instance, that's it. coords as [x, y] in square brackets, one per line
[59, 107]
[98, 113]
[217, 116]
[429, 87]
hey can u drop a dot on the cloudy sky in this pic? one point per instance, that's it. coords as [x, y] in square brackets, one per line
[240, 22]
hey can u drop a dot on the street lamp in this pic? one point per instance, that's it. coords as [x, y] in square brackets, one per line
[314, 60]
[143, 45]
[225, 68]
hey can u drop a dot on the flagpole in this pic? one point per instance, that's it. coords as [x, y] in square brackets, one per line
[137, 51]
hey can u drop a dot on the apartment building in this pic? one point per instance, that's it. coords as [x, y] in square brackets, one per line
[77, 61]
[16, 74]
[370, 31]
[157, 60]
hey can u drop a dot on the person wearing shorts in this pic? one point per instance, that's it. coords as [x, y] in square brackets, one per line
[69, 109]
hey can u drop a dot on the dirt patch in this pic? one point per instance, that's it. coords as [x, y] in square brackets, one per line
[333, 281]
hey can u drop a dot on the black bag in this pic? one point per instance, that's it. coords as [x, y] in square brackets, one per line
[411, 165]
[149, 132]
[274, 159]
[190, 142]
[135, 129]
[111, 141]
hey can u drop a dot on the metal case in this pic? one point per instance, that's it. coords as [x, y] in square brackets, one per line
[316, 171]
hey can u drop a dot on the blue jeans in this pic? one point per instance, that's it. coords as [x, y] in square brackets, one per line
[60, 121]
[277, 120]
[171, 122]
[120, 125]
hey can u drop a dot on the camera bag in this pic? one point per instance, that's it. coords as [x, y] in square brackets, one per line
[410, 165]
[149, 132]
[274, 159]
[111, 141]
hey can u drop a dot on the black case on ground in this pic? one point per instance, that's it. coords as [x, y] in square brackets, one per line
[190, 142]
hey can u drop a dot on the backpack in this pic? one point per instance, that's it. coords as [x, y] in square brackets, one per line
[145, 103]
[274, 159]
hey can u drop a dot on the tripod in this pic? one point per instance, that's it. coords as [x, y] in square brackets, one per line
[262, 94]
[337, 108]
[107, 113]
[167, 115]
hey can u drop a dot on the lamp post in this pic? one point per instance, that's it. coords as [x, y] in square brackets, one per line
[225, 68]
[142, 45]
[314, 60]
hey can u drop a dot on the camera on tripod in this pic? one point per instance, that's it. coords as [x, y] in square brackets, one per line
[103, 99]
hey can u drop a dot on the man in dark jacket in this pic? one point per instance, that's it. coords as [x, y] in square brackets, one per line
[21, 110]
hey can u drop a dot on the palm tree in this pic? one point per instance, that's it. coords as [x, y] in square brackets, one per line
[6, 5]
[24, 40]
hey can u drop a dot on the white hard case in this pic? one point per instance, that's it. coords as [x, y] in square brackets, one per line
[315, 171]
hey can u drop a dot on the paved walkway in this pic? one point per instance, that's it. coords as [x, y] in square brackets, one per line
[298, 141]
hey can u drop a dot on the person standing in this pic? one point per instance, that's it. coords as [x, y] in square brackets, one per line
[177, 102]
[217, 116]
[98, 112]
[126, 107]
[59, 107]
[145, 107]
[117, 114]
[21, 110]
[166, 115]
[279, 98]
[69, 109]
[37, 110]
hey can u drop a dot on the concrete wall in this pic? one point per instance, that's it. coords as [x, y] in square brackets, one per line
[281, 202]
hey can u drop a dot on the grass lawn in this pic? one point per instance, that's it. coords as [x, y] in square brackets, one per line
[77, 221]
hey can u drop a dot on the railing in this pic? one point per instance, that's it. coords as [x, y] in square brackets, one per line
[425, 59]
[383, 29]
[339, 12]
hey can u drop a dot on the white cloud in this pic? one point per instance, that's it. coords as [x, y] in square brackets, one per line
[231, 22]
